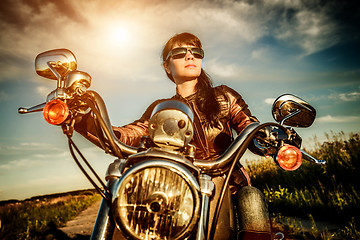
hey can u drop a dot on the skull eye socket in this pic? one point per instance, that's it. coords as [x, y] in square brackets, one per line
[181, 124]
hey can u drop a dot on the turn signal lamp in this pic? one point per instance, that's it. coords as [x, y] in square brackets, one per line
[55, 112]
[289, 158]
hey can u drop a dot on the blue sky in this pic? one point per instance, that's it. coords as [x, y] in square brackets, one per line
[262, 49]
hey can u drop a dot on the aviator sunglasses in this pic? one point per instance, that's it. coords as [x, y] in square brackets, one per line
[180, 52]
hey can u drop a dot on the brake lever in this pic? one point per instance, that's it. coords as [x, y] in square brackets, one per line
[37, 108]
[310, 158]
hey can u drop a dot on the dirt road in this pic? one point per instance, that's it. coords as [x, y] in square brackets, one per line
[81, 226]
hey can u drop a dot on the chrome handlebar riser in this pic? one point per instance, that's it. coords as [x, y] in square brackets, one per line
[103, 112]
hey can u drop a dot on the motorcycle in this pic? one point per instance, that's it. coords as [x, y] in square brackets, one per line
[159, 190]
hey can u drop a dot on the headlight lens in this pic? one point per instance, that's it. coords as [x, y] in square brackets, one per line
[157, 202]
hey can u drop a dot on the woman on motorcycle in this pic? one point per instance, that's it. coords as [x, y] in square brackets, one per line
[217, 110]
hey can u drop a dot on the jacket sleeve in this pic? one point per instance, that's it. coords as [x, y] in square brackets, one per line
[240, 115]
[129, 134]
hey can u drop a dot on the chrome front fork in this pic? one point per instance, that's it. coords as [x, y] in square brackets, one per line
[104, 225]
[206, 188]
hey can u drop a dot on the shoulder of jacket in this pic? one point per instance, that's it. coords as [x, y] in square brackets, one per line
[230, 94]
[229, 91]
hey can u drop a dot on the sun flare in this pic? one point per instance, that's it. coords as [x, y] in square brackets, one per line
[119, 35]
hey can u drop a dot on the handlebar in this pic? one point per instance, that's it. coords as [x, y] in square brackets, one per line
[238, 148]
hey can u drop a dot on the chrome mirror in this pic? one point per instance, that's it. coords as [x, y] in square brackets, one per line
[55, 64]
[293, 111]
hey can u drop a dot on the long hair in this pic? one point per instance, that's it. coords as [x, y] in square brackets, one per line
[205, 97]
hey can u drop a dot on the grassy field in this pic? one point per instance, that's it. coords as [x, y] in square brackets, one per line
[329, 193]
[37, 217]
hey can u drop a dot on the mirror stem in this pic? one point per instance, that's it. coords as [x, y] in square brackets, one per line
[290, 116]
[49, 63]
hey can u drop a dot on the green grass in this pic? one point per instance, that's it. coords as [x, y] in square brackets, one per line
[317, 193]
[34, 218]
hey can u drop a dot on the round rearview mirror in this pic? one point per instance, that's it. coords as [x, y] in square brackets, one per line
[55, 64]
[291, 110]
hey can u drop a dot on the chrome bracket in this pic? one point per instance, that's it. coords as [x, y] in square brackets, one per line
[206, 189]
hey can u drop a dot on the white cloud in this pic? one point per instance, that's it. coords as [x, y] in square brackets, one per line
[346, 97]
[53, 155]
[259, 54]
[349, 97]
[316, 29]
[269, 101]
[224, 70]
[338, 119]
[311, 29]
[36, 145]
[21, 163]
[29, 148]
[43, 91]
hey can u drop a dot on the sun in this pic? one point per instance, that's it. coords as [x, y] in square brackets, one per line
[119, 35]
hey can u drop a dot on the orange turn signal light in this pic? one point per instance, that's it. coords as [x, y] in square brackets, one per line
[289, 157]
[56, 112]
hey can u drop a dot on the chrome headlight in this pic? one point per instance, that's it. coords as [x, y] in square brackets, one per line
[157, 200]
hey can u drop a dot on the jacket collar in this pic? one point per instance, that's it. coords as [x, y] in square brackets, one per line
[189, 98]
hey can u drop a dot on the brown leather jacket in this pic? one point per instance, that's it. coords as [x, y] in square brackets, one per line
[210, 141]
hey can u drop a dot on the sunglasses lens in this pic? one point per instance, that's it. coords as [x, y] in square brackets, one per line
[178, 53]
[197, 52]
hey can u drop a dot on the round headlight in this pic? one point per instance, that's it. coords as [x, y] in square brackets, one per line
[157, 200]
